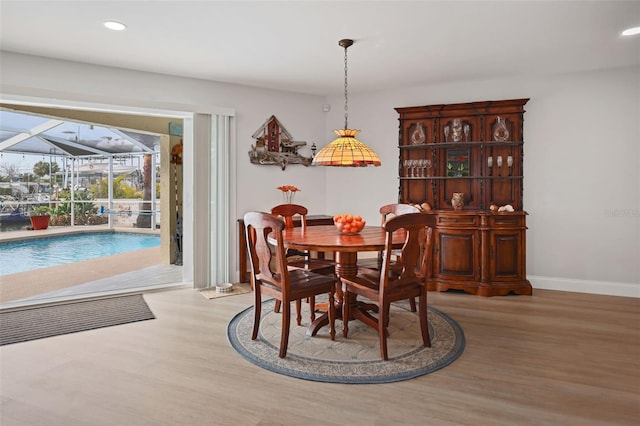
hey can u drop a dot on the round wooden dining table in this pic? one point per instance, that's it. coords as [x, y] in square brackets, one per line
[326, 238]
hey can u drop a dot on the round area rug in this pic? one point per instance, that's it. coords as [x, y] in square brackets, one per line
[355, 359]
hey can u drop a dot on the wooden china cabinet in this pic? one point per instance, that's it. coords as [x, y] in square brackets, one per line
[474, 150]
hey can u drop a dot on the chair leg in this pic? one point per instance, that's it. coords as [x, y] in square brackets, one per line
[412, 304]
[332, 316]
[276, 309]
[424, 324]
[346, 302]
[383, 320]
[298, 311]
[387, 307]
[286, 323]
[257, 312]
[312, 307]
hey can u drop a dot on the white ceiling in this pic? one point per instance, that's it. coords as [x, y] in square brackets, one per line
[292, 45]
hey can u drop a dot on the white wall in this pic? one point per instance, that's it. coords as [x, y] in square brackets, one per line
[582, 134]
[253, 186]
[582, 179]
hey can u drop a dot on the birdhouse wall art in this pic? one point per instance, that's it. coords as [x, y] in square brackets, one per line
[275, 146]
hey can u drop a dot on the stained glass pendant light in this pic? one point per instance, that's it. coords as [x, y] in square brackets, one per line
[346, 150]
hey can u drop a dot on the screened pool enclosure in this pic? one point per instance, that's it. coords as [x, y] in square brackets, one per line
[81, 173]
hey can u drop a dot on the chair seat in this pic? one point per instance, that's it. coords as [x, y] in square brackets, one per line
[301, 282]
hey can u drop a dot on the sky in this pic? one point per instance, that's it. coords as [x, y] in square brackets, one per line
[24, 163]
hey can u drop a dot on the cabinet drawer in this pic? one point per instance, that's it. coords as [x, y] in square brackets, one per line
[509, 220]
[455, 219]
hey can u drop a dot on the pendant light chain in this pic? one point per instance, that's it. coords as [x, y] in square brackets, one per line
[346, 95]
[346, 150]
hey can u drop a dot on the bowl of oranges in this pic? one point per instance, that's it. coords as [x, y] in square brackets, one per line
[348, 224]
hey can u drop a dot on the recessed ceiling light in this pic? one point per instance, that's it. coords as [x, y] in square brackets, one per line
[631, 31]
[116, 26]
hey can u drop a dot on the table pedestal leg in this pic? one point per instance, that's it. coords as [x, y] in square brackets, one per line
[346, 266]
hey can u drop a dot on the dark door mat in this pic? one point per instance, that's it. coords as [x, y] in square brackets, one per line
[40, 322]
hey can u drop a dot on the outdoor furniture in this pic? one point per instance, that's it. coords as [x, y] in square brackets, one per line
[274, 279]
[405, 279]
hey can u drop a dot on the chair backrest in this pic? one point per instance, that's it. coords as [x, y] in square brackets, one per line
[391, 210]
[288, 211]
[258, 225]
[415, 259]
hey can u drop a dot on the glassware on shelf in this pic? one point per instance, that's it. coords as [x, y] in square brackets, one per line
[427, 165]
[416, 165]
[446, 133]
[423, 165]
[490, 161]
[509, 161]
[418, 172]
[467, 130]
[499, 161]
[412, 168]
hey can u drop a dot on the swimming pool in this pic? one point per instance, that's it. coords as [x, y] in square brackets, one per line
[27, 255]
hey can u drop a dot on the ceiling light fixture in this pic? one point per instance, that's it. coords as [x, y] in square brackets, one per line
[631, 31]
[115, 26]
[346, 150]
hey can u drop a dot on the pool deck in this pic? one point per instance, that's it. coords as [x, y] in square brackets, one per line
[120, 272]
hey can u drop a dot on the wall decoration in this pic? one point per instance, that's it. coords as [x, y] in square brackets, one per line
[275, 146]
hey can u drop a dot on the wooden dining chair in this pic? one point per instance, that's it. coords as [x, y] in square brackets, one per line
[386, 212]
[301, 259]
[273, 277]
[289, 212]
[406, 278]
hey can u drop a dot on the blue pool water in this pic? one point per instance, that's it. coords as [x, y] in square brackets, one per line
[27, 255]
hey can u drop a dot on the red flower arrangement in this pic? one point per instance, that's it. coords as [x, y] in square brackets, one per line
[288, 191]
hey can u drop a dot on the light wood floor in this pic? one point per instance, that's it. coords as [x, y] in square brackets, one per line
[554, 358]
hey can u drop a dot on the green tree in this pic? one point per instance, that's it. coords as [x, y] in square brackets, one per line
[43, 168]
[120, 189]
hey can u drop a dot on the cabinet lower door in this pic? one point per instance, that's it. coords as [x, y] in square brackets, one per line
[506, 260]
[457, 262]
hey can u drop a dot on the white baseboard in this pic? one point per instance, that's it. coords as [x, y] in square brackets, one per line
[586, 286]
